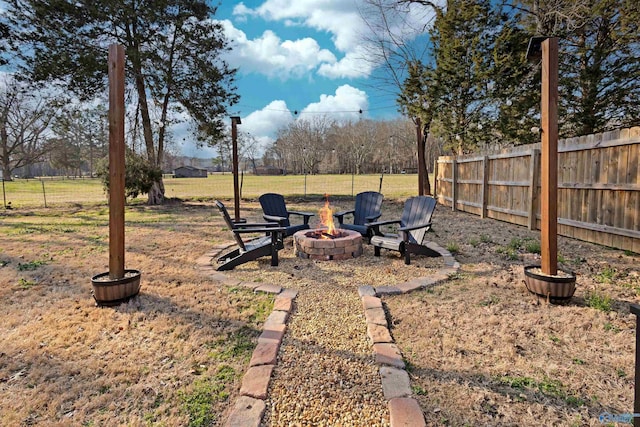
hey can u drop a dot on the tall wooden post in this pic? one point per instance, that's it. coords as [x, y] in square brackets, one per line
[116, 161]
[421, 162]
[235, 121]
[635, 309]
[549, 159]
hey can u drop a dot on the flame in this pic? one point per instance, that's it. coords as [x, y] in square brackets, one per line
[326, 217]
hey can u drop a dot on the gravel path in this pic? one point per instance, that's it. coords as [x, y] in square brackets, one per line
[326, 374]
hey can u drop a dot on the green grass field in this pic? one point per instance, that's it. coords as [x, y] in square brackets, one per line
[47, 192]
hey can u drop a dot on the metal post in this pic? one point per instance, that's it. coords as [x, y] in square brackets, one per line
[353, 174]
[4, 195]
[44, 193]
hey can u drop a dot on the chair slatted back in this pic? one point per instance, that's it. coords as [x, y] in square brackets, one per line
[227, 219]
[368, 203]
[418, 210]
[273, 204]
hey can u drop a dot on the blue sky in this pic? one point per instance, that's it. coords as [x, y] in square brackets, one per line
[308, 56]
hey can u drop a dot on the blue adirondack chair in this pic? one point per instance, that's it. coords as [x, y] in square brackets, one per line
[367, 209]
[252, 249]
[413, 226]
[275, 210]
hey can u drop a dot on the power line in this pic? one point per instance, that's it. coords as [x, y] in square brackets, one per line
[296, 112]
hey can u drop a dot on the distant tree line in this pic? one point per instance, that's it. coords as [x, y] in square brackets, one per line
[319, 144]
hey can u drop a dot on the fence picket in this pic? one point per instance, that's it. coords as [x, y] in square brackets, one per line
[598, 195]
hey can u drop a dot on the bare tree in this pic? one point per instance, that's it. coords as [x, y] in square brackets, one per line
[24, 123]
[391, 45]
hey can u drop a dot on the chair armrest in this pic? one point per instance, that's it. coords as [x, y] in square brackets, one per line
[343, 213]
[340, 215]
[273, 218]
[372, 218]
[256, 225]
[375, 226]
[268, 230]
[306, 215]
[380, 223]
[415, 227]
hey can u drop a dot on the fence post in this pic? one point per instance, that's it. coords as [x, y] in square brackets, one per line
[454, 184]
[485, 186]
[534, 173]
[635, 309]
[435, 179]
[4, 195]
[44, 193]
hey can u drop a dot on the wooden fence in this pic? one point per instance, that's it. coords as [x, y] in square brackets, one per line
[598, 187]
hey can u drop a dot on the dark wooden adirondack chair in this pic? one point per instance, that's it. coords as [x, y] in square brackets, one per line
[275, 210]
[367, 209]
[413, 227]
[252, 249]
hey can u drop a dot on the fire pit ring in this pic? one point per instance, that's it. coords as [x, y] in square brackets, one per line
[317, 245]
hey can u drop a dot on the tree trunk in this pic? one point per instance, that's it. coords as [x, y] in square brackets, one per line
[426, 184]
[156, 193]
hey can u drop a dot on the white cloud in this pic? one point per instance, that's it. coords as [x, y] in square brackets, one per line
[267, 121]
[274, 57]
[263, 124]
[340, 18]
[353, 65]
[241, 10]
[345, 104]
[349, 31]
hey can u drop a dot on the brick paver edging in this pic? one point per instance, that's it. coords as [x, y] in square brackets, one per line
[404, 410]
[249, 407]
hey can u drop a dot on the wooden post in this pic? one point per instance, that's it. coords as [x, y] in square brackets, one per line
[235, 121]
[635, 309]
[116, 161]
[435, 178]
[549, 161]
[485, 186]
[421, 163]
[534, 172]
[454, 184]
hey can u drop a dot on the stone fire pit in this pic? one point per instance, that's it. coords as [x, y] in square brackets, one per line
[316, 244]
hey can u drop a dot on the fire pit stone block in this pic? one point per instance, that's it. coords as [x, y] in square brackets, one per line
[347, 245]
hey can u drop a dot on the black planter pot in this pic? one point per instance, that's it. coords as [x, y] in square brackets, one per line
[555, 288]
[115, 291]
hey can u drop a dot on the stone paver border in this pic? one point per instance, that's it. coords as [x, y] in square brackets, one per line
[249, 407]
[404, 410]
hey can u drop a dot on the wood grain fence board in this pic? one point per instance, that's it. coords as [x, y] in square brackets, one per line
[577, 201]
[621, 178]
[485, 188]
[580, 202]
[603, 217]
[435, 178]
[454, 187]
[599, 183]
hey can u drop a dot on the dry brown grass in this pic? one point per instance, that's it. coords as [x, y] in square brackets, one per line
[64, 361]
[482, 351]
